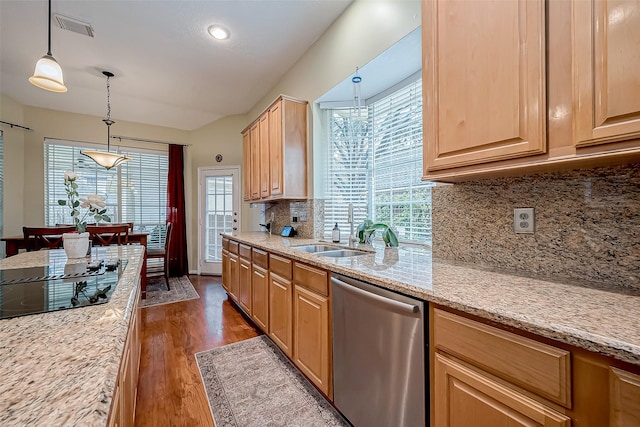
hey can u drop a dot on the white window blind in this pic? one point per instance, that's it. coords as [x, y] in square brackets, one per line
[135, 192]
[375, 162]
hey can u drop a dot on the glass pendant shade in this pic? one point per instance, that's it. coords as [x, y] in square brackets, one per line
[48, 75]
[105, 159]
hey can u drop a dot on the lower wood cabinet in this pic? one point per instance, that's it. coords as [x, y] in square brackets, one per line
[260, 297]
[465, 397]
[123, 407]
[234, 276]
[244, 285]
[311, 343]
[280, 312]
[225, 270]
[624, 398]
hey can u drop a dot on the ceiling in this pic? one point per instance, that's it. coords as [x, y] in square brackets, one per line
[168, 70]
[393, 66]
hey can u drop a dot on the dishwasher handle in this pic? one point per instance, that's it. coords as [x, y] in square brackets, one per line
[398, 305]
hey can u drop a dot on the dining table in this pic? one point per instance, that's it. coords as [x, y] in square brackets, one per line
[15, 243]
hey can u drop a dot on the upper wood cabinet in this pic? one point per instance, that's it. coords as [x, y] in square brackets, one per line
[246, 165]
[255, 163]
[606, 63]
[265, 172]
[526, 86]
[483, 81]
[281, 139]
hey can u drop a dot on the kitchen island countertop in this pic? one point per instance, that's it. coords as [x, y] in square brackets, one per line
[60, 368]
[597, 317]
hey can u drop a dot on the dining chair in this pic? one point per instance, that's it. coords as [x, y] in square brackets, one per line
[45, 237]
[157, 253]
[105, 235]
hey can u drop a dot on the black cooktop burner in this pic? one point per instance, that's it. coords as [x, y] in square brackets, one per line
[33, 290]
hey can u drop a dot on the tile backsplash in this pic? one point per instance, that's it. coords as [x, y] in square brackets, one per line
[309, 215]
[587, 224]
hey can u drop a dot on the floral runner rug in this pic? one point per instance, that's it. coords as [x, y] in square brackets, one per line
[251, 383]
[157, 293]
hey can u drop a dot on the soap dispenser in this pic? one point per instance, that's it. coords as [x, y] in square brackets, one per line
[335, 234]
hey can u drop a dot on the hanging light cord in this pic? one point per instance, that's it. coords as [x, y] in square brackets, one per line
[49, 45]
[108, 120]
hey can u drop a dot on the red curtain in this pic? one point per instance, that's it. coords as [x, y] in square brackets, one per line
[178, 262]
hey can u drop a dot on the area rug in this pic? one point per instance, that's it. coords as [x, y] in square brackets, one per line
[251, 383]
[157, 293]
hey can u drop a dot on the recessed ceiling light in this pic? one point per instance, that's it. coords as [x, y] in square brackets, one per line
[218, 32]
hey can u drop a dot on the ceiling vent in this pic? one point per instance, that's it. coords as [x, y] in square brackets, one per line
[74, 25]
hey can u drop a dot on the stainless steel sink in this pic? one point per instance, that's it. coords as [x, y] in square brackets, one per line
[315, 248]
[342, 253]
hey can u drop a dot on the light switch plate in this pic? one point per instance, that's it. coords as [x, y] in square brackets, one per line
[523, 220]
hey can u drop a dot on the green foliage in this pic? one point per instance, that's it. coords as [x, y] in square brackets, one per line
[95, 205]
[367, 229]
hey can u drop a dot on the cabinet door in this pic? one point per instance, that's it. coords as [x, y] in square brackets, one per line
[265, 182]
[606, 64]
[280, 329]
[275, 152]
[260, 297]
[244, 286]
[624, 390]
[465, 397]
[115, 417]
[225, 270]
[234, 276]
[246, 165]
[311, 336]
[255, 162]
[483, 81]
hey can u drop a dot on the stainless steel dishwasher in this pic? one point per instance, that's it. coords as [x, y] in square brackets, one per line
[379, 375]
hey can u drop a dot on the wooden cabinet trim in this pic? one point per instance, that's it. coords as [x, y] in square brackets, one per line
[260, 257]
[234, 247]
[452, 377]
[245, 251]
[311, 278]
[537, 367]
[280, 266]
[624, 397]
[311, 336]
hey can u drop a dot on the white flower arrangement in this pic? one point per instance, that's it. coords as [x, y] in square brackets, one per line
[95, 204]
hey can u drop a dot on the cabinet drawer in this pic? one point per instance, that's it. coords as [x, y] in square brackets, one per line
[260, 258]
[225, 243]
[233, 247]
[280, 266]
[245, 251]
[311, 278]
[537, 367]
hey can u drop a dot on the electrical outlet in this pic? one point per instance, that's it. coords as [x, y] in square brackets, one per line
[523, 220]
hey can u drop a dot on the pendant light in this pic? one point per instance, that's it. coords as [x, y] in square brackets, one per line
[107, 159]
[48, 74]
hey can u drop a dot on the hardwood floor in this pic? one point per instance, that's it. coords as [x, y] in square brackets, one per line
[170, 391]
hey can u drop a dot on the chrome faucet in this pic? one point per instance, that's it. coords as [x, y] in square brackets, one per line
[269, 224]
[352, 237]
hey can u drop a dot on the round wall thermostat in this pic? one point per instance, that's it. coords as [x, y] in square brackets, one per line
[218, 158]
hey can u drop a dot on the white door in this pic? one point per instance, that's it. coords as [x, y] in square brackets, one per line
[218, 212]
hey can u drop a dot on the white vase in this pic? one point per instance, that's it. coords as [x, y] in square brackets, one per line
[75, 245]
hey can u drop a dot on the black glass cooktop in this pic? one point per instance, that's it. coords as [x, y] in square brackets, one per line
[60, 286]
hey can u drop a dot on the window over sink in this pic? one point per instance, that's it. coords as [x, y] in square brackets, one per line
[374, 160]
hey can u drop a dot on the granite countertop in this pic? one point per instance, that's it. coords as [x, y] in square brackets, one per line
[60, 368]
[594, 316]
